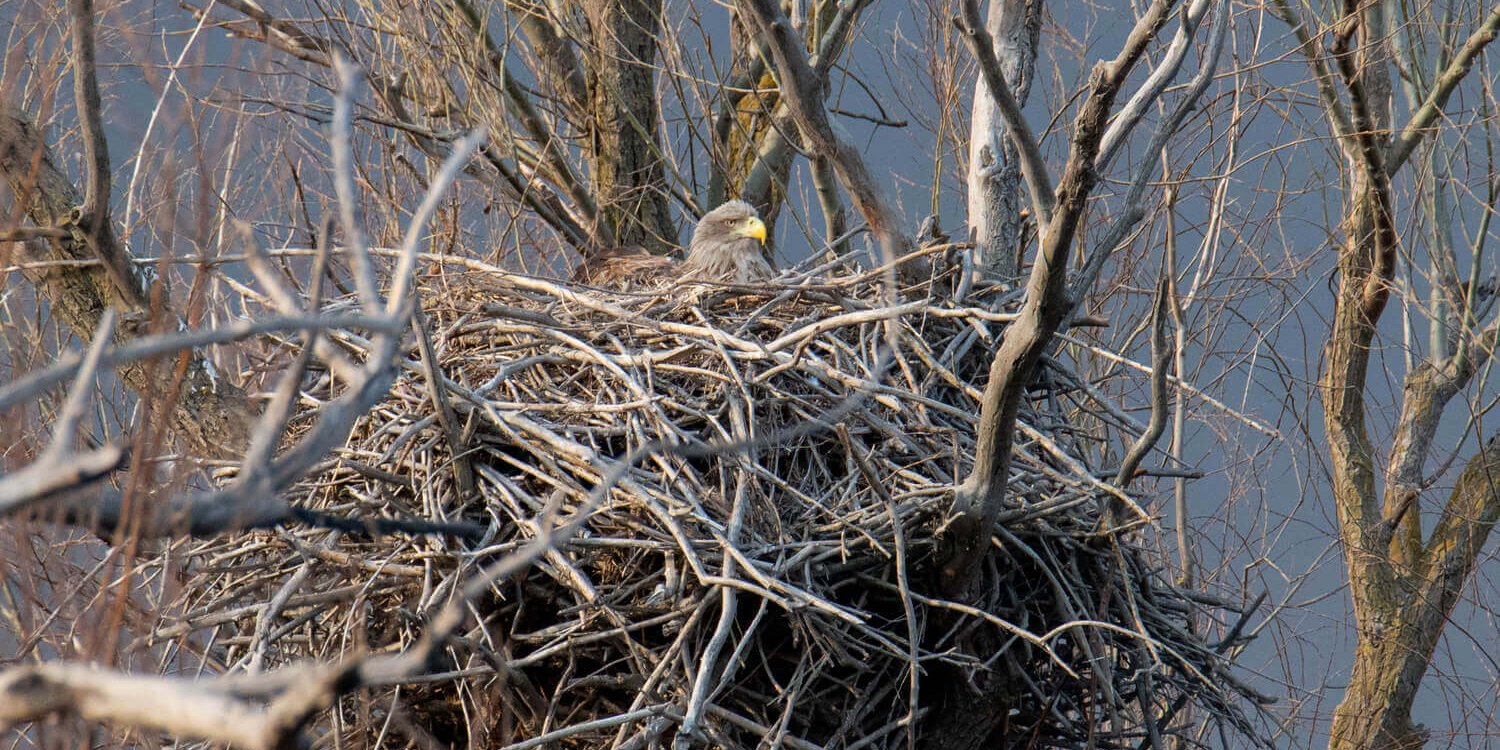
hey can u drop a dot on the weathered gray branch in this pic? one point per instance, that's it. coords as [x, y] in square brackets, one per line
[981, 497]
[1033, 167]
[802, 91]
[90, 116]
[1133, 208]
[1135, 109]
[1161, 401]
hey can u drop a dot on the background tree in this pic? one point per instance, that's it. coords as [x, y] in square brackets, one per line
[993, 184]
[1405, 575]
[71, 225]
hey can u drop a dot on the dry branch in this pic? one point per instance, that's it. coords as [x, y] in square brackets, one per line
[193, 709]
[802, 91]
[980, 498]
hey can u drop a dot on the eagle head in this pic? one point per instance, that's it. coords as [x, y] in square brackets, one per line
[726, 246]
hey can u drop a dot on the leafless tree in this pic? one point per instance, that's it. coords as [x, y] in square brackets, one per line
[1405, 572]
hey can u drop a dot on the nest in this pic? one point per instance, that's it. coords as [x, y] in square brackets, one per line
[767, 478]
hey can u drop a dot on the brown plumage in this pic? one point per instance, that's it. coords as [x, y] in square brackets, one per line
[619, 266]
[726, 249]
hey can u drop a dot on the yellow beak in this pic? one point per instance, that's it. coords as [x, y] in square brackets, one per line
[756, 228]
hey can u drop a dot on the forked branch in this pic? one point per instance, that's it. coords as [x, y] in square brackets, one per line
[1447, 81]
[980, 498]
[801, 89]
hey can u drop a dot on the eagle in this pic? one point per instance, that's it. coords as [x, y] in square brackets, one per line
[725, 249]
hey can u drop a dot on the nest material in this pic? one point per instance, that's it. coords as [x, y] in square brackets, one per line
[762, 569]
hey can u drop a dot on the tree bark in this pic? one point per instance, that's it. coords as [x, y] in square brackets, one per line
[625, 120]
[994, 173]
[210, 415]
[1393, 653]
[1403, 589]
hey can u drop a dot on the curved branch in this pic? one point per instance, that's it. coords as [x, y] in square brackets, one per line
[90, 119]
[802, 91]
[1447, 81]
[1130, 115]
[1161, 366]
[981, 497]
[1033, 168]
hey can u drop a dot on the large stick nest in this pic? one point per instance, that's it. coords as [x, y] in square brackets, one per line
[768, 478]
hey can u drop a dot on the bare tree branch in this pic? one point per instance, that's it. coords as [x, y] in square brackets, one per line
[801, 89]
[1317, 59]
[59, 468]
[561, 71]
[981, 497]
[341, 137]
[196, 709]
[1033, 168]
[1134, 110]
[765, 181]
[1447, 81]
[1133, 208]
[146, 347]
[1161, 401]
[225, 709]
[294, 40]
[86, 96]
[548, 141]
[253, 502]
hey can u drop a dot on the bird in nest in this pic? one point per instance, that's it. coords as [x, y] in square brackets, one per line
[725, 249]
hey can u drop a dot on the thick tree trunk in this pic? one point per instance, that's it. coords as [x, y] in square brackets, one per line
[994, 175]
[1376, 711]
[1404, 591]
[625, 121]
[1403, 619]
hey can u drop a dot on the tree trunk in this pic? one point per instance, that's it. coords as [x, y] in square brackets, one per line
[1404, 591]
[994, 176]
[1399, 633]
[625, 120]
[210, 415]
[1375, 713]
